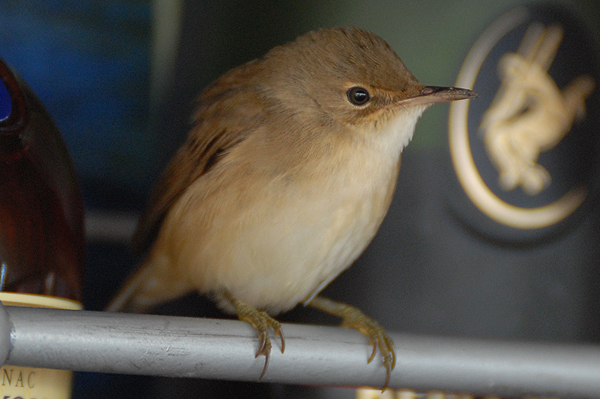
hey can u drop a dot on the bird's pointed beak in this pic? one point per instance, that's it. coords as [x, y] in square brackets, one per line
[436, 94]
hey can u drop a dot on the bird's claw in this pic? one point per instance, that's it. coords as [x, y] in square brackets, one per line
[356, 319]
[264, 349]
[386, 347]
[260, 321]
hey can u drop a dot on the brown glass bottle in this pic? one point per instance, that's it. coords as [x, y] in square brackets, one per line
[41, 225]
[41, 217]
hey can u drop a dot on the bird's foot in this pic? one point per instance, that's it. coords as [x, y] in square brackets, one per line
[356, 319]
[260, 321]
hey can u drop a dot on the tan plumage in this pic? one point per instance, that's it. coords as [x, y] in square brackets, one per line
[283, 181]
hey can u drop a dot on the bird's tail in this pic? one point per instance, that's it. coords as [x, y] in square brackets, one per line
[146, 288]
[126, 299]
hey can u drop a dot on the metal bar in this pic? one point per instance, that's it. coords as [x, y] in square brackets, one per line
[316, 355]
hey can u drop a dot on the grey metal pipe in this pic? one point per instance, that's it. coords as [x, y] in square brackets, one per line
[316, 355]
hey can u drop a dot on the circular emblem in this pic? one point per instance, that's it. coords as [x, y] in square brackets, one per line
[525, 152]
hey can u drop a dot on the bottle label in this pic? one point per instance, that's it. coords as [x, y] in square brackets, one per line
[35, 383]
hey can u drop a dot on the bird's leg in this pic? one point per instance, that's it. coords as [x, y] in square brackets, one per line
[354, 318]
[260, 321]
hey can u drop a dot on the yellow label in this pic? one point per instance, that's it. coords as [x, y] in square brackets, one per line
[34, 383]
[29, 383]
[38, 301]
[370, 393]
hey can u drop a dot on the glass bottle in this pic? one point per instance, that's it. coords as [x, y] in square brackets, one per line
[41, 225]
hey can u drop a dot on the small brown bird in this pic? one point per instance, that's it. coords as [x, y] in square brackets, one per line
[284, 179]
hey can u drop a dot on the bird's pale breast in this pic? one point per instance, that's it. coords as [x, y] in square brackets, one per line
[279, 241]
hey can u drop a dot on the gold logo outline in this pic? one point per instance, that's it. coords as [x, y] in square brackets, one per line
[462, 158]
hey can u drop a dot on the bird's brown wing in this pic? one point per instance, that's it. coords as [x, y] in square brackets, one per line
[220, 124]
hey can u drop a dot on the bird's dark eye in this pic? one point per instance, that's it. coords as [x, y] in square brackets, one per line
[358, 95]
